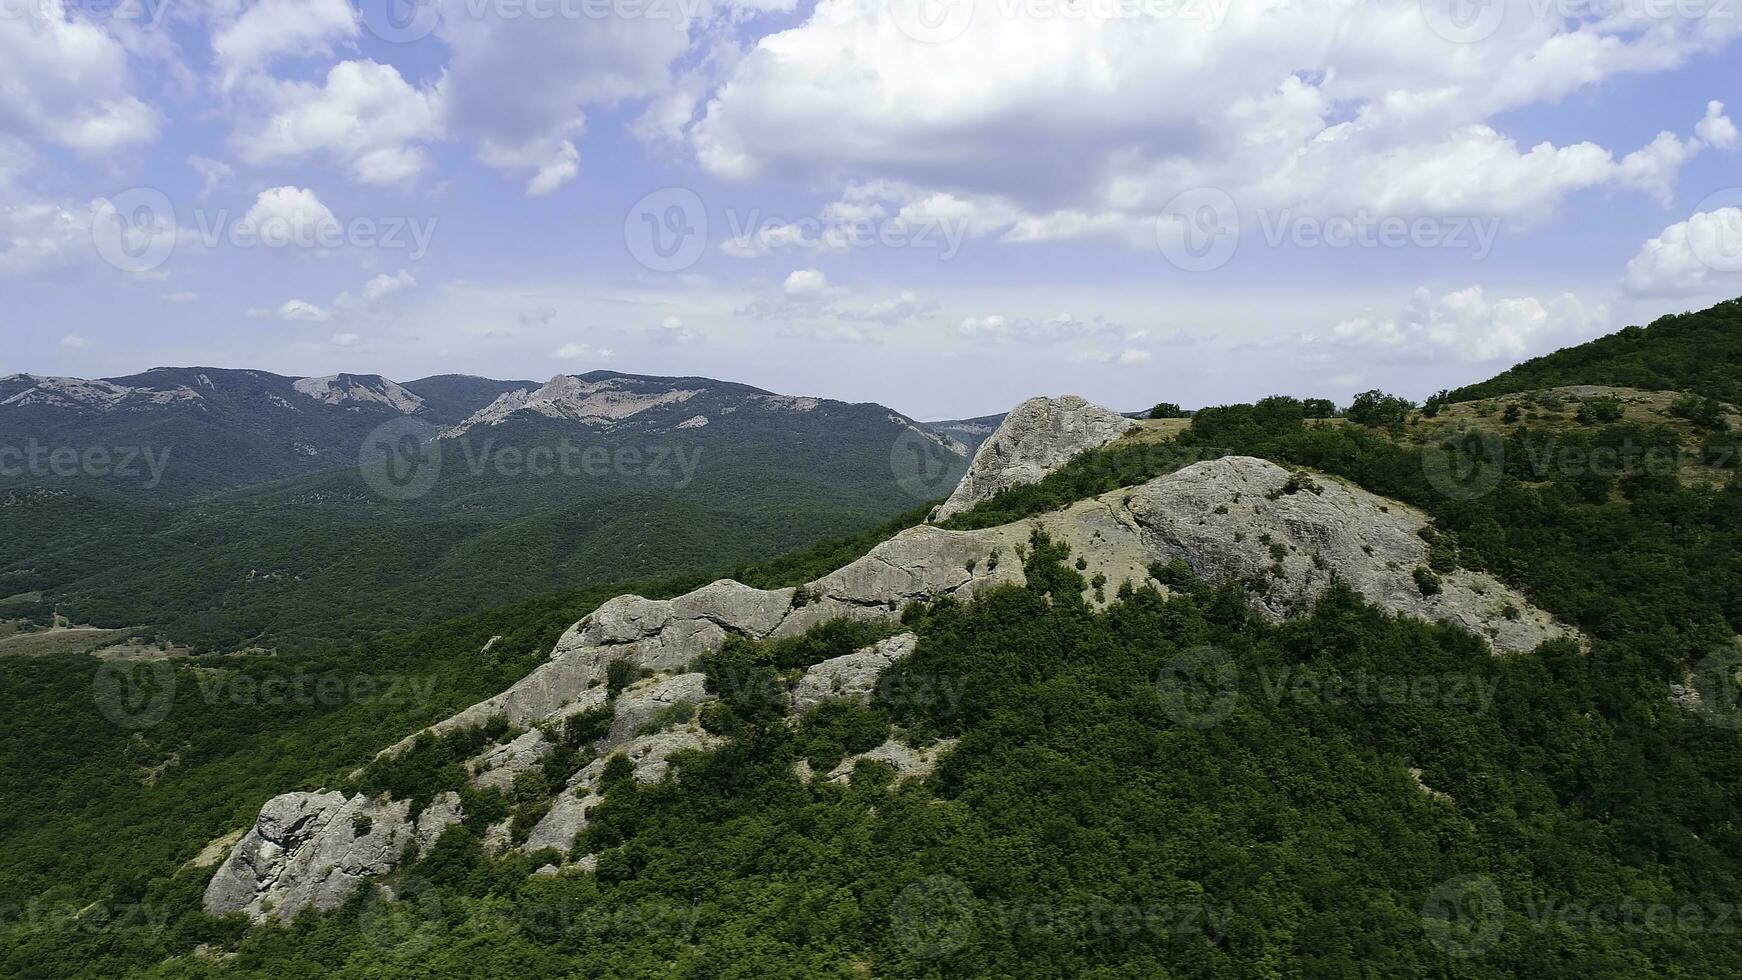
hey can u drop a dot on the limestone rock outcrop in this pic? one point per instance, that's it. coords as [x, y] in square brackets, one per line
[853, 676]
[1041, 435]
[311, 850]
[651, 757]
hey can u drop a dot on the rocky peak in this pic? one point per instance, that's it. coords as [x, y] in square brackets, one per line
[90, 395]
[591, 399]
[1041, 435]
[358, 389]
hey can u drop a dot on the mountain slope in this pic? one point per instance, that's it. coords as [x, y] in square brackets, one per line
[1697, 352]
[614, 479]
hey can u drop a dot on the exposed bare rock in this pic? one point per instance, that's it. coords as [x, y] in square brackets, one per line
[443, 812]
[651, 757]
[853, 676]
[908, 763]
[642, 703]
[358, 389]
[568, 397]
[91, 395]
[312, 850]
[1041, 435]
[1416, 775]
[497, 766]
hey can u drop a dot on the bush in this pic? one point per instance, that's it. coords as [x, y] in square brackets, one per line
[1378, 410]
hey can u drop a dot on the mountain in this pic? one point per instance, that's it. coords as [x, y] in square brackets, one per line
[969, 432]
[584, 480]
[213, 429]
[1699, 352]
[1249, 693]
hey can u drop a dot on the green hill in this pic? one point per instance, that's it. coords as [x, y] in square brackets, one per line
[1695, 352]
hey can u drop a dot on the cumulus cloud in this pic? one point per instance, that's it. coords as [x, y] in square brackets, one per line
[261, 32]
[67, 81]
[580, 352]
[364, 115]
[39, 236]
[1073, 127]
[290, 215]
[806, 282]
[1468, 325]
[377, 289]
[74, 342]
[1702, 255]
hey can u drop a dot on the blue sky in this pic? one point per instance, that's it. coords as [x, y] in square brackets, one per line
[942, 205]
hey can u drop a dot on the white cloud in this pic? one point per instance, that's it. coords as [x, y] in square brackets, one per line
[1699, 256]
[345, 340]
[67, 81]
[181, 297]
[39, 236]
[519, 88]
[1135, 356]
[376, 289]
[74, 342]
[806, 282]
[268, 29]
[1467, 325]
[671, 330]
[1088, 125]
[295, 310]
[578, 352]
[291, 216]
[1716, 129]
[364, 115]
[213, 173]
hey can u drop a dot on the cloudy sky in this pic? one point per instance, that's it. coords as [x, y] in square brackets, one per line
[942, 205]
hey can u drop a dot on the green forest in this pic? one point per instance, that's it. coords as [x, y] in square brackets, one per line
[1171, 787]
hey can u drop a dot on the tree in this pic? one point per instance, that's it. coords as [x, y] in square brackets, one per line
[1376, 409]
[1319, 408]
[1168, 410]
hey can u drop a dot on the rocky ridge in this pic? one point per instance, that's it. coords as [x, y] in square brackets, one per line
[1041, 435]
[1285, 535]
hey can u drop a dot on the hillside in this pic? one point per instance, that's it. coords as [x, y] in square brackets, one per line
[1697, 352]
[583, 481]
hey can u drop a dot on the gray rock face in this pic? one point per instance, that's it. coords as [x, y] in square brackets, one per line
[499, 765]
[908, 763]
[651, 757]
[853, 676]
[642, 703]
[1041, 435]
[305, 852]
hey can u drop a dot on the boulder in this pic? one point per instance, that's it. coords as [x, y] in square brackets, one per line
[312, 850]
[1040, 436]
